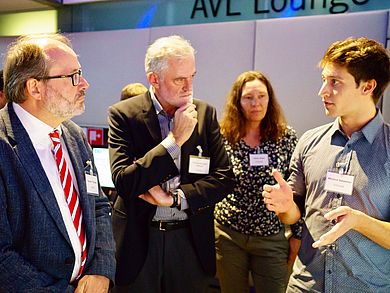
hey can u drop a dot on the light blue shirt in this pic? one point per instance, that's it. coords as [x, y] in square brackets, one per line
[353, 263]
[166, 124]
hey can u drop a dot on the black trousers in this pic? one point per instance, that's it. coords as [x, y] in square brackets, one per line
[170, 267]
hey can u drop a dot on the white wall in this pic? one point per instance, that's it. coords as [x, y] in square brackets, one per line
[287, 50]
[386, 97]
[4, 42]
[110, 60]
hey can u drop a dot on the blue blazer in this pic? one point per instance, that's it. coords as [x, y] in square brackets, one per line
[36, 254]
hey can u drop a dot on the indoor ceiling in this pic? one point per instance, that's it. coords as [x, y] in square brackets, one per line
[7, 6]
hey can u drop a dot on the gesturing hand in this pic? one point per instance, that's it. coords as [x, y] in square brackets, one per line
[278, 197]
[345, 219]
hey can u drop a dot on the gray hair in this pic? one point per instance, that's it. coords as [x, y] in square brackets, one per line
[162, 49]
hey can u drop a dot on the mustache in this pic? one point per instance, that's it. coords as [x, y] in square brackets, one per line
[81, 93]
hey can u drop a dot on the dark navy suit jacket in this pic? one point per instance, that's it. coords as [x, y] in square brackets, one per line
[35, 251]
[139, 162]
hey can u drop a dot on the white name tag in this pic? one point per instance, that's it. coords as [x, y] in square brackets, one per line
[92, 184]
[339, 183]
[199, 165]
[258, 160]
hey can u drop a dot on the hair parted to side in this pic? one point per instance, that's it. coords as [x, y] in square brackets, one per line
[162, 49]
[25, 59]
[364, 59]
[233, 121]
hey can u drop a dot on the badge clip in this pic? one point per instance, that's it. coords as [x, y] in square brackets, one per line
[89, 163]
[200, 150]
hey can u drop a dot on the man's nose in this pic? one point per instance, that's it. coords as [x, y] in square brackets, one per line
[83, 82]
[323, 90]
[188, 84]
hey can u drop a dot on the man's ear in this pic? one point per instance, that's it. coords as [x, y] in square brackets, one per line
[153, 79]
[34, 88]
[369, 86]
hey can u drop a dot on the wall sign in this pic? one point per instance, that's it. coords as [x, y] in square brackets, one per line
[111, 15]
[211, 8]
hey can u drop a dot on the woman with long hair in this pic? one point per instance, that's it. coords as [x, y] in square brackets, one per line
[250, 238]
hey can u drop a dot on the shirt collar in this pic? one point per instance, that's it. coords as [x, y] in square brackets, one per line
[37, 130]
[369, 131]
[156, 103]
[157, 106]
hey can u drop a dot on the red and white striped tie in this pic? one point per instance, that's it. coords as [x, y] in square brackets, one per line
[70, 195]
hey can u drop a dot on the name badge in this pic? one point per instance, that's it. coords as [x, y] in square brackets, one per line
[258, 160]
[339, 183]
[199, 165]
[92, 184]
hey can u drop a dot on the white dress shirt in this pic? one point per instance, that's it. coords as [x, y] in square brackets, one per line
[38, 132]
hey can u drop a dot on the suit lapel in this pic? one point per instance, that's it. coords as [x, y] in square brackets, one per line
[150, 117]
[28, 158]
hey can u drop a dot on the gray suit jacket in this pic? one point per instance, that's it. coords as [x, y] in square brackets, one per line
[35, 251]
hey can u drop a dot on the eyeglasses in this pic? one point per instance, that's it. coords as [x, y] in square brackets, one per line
[74, 76]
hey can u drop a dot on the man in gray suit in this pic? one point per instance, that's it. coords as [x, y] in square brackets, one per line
[55, 223]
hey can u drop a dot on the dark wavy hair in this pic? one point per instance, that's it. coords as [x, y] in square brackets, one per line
[364, 59]
[233, 121]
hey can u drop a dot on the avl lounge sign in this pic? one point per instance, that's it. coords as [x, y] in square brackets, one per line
[215, 8]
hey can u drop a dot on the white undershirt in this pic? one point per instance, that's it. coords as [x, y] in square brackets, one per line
[38, 132]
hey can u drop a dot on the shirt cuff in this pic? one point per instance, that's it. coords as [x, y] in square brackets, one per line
[183, 200]
[172, 148]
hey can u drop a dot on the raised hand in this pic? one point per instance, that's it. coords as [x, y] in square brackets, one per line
[186, 118]
[278, 197]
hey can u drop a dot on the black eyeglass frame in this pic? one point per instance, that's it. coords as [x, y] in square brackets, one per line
[72, 76]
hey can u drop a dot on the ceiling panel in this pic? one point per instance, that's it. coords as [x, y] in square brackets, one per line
[7, 6]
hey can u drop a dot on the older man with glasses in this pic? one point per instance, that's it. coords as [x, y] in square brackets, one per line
[55, 223]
